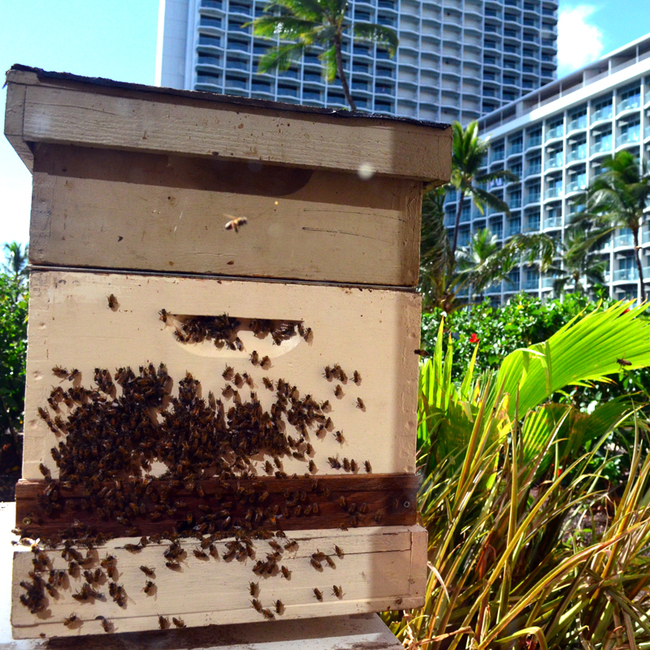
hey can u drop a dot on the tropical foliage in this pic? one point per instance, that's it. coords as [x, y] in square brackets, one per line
[319, 24]
[618, 198]
[527, 548]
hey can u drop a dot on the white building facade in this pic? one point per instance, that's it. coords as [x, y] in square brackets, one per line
[555, 140]
[457, 59]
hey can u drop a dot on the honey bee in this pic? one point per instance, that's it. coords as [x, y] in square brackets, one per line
[163, 315]
[174, 566]
[147, 571]
[106, 624]
[178, 622]
[368, 466]
[327, 373]
[235, 223]
[74, 374]
[339, 552]
[338, 391]
[279, 606]
[268, 614]
[318, 594]
[291, 545]
[60, 372]
[337, 591]
[353, 466]
[312, 466]
[228, 373]
[422, 353]
[201, 555]
[265, 363]
[316, 564]
[254, 589]
[71, 620]
[339, 437]
[356, 377]
[255, 358]
[163, 622]
[149, 587]
[112, 302]
[285, 572]
[623, 362]
[257, 605]
[267, 383]
[360, 404]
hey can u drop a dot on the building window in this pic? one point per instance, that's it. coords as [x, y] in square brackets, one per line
[214, 41]
[236, 82]
[207, 59]
[240, 46]
[208, 21]
[314, 95]
[207, 78]
[212, 4]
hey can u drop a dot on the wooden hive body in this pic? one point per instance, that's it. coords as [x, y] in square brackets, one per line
[242, 415]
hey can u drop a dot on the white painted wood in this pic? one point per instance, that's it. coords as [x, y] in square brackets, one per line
[74, 112]
[380, 570]
[372, 331]
[14, 122]
[121, 210]
[327, 633]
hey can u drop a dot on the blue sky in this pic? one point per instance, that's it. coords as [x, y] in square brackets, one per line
[117, 39]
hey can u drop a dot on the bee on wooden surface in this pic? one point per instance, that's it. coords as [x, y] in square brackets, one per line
[360, 404]
[74, 374]
[163, 622]
[356, 377]
[254, 589]
[337, 591]
[201, 555]
[346, 464]
[339, 552]
[112, 302]
[328, 373]
[235, 223]
[285, 572]
[338, 391]
[257, 605]
[291, 545]
[279, 606]
[368, 466]
[228, 373]
[312, 466]
[178, 622]
[318, 594]
[71, 620]
[132, 548]
[334, 463]
[106, 624]
[363, 508]
[268, 614]
[265, 362]
[149, 587]
[316, 564]
[353, 466]
[164, 314]
[267, 383]
[149, 572]
[379, 516]
[174, 566]
[214, 552]
[255, 358]
[330, 562]
[340, 438]
[60, 372]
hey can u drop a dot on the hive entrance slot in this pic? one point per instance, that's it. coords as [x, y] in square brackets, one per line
[228, 336]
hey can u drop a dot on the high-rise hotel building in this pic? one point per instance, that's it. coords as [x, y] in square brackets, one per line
[457, 59]
[555, 139]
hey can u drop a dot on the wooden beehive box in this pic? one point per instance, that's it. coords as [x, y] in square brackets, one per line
[221, 407]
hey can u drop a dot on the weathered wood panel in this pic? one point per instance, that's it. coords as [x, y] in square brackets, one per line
[381, 568]
[372, 331]
[119, 210]
[348, 501]
[81, 113]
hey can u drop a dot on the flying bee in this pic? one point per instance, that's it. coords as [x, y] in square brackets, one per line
[360, 404]
[235, 223]
[337, 591]
[149, 587]
[318, 594]
[178, 622]
[421, 353]
[356, 377]
[112, 302]
[338, 391]
[623, 362]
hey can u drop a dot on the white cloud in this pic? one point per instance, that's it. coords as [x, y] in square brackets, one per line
[579, 41]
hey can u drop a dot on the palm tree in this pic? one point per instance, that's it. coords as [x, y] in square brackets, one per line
[467, 157]
[578, 261]
[16, 260]
[618, 198]
[315, 23]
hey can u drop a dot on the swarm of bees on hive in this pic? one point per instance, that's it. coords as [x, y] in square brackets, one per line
[210, 489]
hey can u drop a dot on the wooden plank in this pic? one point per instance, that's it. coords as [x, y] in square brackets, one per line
[378, 570]
[372, 331]
[116, 118]
[14, 113]
[264, 502]
[119, 210]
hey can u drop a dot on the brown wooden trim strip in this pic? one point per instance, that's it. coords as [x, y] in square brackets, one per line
[49, 510]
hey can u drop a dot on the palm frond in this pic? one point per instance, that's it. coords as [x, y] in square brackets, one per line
[281, 57]
[328, 59]
[377, 34]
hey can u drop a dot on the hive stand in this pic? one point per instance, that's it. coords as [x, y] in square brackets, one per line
[133, 267]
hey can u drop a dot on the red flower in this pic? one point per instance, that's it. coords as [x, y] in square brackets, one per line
[473, 338]
[625, 311]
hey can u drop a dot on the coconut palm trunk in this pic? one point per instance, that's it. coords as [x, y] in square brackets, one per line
[454, 243]
[637, 258]
[338, 48]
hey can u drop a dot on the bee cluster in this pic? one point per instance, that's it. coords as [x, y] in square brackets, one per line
[114, 433]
